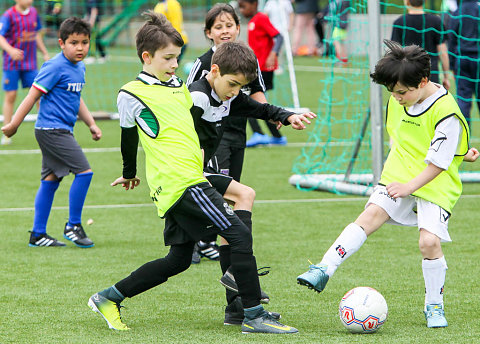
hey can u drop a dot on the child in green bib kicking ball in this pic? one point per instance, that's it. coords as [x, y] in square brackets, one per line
[420, 182]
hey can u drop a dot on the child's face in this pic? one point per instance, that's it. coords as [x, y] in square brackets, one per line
[164, 63]
[24, 4]
[224, 29]
[247, 9]
[228, 85]
[408, 96]
[75, 47]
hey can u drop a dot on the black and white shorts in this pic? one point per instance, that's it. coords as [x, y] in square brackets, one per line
[61, 153]
[412, 211]
[201, 211]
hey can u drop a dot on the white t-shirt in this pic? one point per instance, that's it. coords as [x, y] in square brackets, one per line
[274, 10]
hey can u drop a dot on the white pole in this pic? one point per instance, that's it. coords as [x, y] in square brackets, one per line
[288, 53]
[376, 107]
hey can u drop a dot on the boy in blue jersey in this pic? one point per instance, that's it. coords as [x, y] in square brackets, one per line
[58, 86]
[420, 182]
[155, 109]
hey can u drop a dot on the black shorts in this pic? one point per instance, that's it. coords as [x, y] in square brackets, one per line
[229, 160]
[200, 212]
[61, 153]
[218, 180]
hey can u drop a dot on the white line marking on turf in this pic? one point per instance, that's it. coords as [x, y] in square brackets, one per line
[266, 201]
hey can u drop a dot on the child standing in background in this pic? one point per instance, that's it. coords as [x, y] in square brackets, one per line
[19, 38]
[59, 84]
[266, 41]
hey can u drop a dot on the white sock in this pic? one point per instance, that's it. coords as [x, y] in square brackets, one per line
[347, 243]
[434, 272]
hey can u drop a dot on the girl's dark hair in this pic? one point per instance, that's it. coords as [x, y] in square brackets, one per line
[217, 10]
[73, 25]
[156, 33]
[406, 65]
[250, 1]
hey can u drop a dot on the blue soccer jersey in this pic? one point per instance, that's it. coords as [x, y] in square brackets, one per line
[61, 82]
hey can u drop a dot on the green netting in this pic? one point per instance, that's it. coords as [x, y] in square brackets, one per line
[339, 148]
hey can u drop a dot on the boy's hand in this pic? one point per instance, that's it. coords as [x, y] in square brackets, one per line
[471, 155]
[127, 183]
[46, 57]
[9, 130]
[16, 54]
[297, 120]
[398, 190]
[270, 61]
[96, 132]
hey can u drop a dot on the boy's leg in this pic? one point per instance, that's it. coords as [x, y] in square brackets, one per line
[43, 206]
[8, 104]
[107, 302]
[78, 192]
[465, 88]
[347, 243]
[434, 267]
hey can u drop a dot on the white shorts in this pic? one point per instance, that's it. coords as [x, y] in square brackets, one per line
[412, 211]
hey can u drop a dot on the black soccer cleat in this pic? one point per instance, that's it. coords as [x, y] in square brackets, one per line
[234, 313]
[77, 235]
[44, 240]
[228, 281]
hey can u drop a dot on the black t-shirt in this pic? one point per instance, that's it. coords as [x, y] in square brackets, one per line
[406, 32]
[234, 128]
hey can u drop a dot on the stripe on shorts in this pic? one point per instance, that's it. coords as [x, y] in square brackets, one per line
[209, 208]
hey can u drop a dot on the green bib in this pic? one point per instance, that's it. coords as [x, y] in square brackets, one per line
[411, 136]
[172, 151]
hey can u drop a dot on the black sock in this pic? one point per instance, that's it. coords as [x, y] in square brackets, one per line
[246, 217]
[244, 267]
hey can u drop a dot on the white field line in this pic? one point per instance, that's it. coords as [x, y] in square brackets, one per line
[259, 202]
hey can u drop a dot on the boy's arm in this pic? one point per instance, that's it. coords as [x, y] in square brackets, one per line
[397, 189]
[41, 45]
[128, 107]
[443, 54]
[272, 56]
[15, 54]
[32, 97]
[87, 117]
[245, 106]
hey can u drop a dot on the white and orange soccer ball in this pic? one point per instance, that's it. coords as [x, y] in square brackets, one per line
[363, 310]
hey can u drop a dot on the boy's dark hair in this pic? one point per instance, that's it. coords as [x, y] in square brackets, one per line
[417, 3]
[236, 58]
[73, 25]
[156, 33]
[250, 1]
[406, 65]
[216, 11]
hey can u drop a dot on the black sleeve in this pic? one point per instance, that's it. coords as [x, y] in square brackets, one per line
[245, 106]
[396, 33]
[129, 147]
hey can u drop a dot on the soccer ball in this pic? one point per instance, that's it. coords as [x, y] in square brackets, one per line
[363, 310]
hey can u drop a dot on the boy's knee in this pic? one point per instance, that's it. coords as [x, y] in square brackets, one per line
[428, 242]
[10, 96]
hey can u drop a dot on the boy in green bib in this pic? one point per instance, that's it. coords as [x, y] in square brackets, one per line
[420, 182]
[155, 110]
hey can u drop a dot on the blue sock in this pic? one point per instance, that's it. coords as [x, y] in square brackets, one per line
[113, 294]
[78, 193]
[253, 312]
[43, 205]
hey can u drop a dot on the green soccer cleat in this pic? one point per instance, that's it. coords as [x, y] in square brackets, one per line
[315, 278]
[109, 310]
[435, 316]
[266, 323]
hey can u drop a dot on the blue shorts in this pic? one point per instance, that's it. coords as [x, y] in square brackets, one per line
[10, 78]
